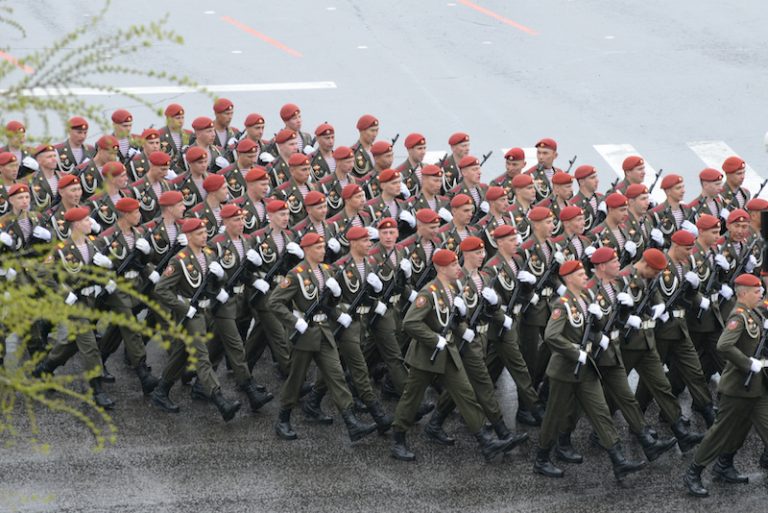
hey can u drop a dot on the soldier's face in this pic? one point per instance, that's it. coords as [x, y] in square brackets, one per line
[120, 181]
[16, 139]
[738, 230]
[19, 201]
[546, 156]
[736, 178]
[639, 205]
[508, 245]
[234, 226]
[198, 167]
[10, 171]
[315, 252]
[71, 195]
[151, 145]
[77, 136]
[355, 203]
[471, 174]
[176, 122]
[388, 237]
[463, 215]
[499, 205]
[369, 134]
[123, 130]
[619, 215]
[750, 296]
[133, 217]
[326, 142]
[611, 268]
[246, 160]
[564, 191]
[577, 279]
[385, 160]
[177, 210]
[589, 183]
[460, 150]
[197, 238]
[391, 187]
[259, 188]
[527, 193]
[431, 184]
[417, 153]
[544, 228]
[637, 174]
[300, 173]
[709, 237]
[255, 132]
[157, 172]
[474, 259]
[360, 247]
[280, 218]
[289, 147]
[575, 225]
[47, 160]
[711, 189]
[82, 226]
[453, 270]
[676, 192]
[345, 166]
[318, 212]
[109, 155]
[514, 167]
[225, 118]
[221, 194]
[294, 123]
[205, 137]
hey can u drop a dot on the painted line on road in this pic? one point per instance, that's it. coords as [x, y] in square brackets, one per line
[614, 155]
[274, 42]
[215, 88]
[433, 157]
[13, 60]
[499, 17]
[713, 153]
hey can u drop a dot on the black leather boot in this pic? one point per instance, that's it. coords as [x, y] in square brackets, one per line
[380, 417]
[538, 411]
[99, 396]
[622, 466]
[424, 408]
[187, 376]
[708, 413]
[725, 470]
[256, 398]
[652, 447]
[161, 399]
[399, 449]
[685, 439]
[312, 409]
[357, 429]
[543, 465]
[564, 451]
[388, 390]
[503, 433]
[692, 480]
[44, 367]
[147, 380]
[490, 447]
[106, 376]
[434, 430]
[283, 426]
[197, 392]
[306, 388]
[526, 417]
[227, 408]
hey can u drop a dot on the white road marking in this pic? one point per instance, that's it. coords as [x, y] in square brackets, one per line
[237, 51]
[713, 153]
[615, 154]
[216, 88]
[209, 12]
[433, 157]
[362, 47]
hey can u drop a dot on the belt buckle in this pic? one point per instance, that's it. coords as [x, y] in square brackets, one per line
[204, 303]
[615, 334]
[238, 290]
[131, 274]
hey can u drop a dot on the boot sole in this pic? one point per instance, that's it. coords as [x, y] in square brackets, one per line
[516, 442]
[434, 439]
[548, 474]
[403, 458]
[362, 434]
[722, 477]
[663, 449]
[621, 475]
[165, 408]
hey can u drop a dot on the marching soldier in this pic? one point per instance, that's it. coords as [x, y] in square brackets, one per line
[174, 138]
[737, 250]
[459, 143]
[247, 152]
[115, 187]
[9, 172]
[352, 214]
[139, 164]
[16, 133]
[470, 184]
[164, 233]
[422, 246]
[562, 193]
[70, 193]
[498, 214]
[672, 214]
[333, 183]
[226, 134]
[573, 244]
[546, 153]
[416, 145]
[122, 123]
[191, 183]
[429, 196]
[254, 202]
[383, 158]
[733, 194]
[612, 231]
[514, 163]
[20, 227]
[74, 151]
[316, 222]
[291, 116]
[634, 173]
[204, 138]
[286, 144]
[525, 194]
[254, 131]
[591, 202]
[368, 127]
[387, 204]
[323, 162]
[148, 189]
[44, 183]
[638, 224]
[90, 172]
[210, 209]
[296, 188]
[709, 201]
[462, 210]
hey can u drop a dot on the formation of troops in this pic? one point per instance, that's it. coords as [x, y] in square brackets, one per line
[393, 278]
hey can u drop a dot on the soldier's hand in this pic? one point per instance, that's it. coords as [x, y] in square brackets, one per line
[589, 250]
[381, 308]
[374, 281]
[690, 227]
[406, 193]
[333, 286]
[170, 174]
[602, 207]
[407, 217]
[110, 287]
[664, 317]
[535, 299]
[71, 299]
[722, 262]
[232, 142]
[526, 277]
[10, 274]
[561, 289]
[221, 162]
[301, 325]
[191, 312]
[559, 257]
[344, 319]
[266, 157]
[30, 163]
[582, 357]
[765, 324]
[373, 233]
[692, 278]
[253, 257]
[261, 285]
[308, 150]
[95, 227]
[222, 296]
[334, 245]
[102, 261]
[460, 306]
[625, 299]
[751, 263]
[604, 341]
[154, 277]
[182, 239]
[216, 269]
[6, 239]
[755, 365]
[407, 268]
[490, 295]
[41, 233]
[445, 215]
[634, 321]
[132, 152]
[726, 292]
[294, 249]
[724, 213]
[507, 322]
[468, 335]
[485, 206]
[143, 246]
[658, 310]
[412, 296]
[595, 310]
[704, 305]
[657, 236]
[631, 248]
[441, 342]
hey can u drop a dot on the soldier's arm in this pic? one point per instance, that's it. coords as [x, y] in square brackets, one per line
[414, 322]
[726, 344]
[553, 333]
[280, 300]
[165, 290]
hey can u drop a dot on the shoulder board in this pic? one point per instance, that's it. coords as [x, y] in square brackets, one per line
[61, 245]
[433, 287]
[659, 208]
[326, 266]
[721, 240]
[627, 271]
[91, 238]
[493, 261]
[528, 244]
[597, 229]
[564, 300]
[207, 249]
[181, 255]
[591, 284]
[298, 269]
[219, 238]
[558, 239]
[738, 310]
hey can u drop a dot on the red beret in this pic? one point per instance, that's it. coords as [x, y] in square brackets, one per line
[254, 119]
[710, 175]
[121, 116]
[202, 123]
[343, 152]
[414, 140]
[108, 142]
[127, 205]
[17, 188]
[655, 259]
[493, 193]
[67, 180]
[247, 146]
[289, 110]
[539, 214]
[520, 181]
[255, 174]
[174, 109]
[196, 153]
[471, 243]
[616, 200]
[733, 164]
[443, 257]
[431, 170]
[387, 223]
[159, 158]
[350, 190]
[468, 161]
[222, 105]
[547, 143]
[738, 216]
[570, 266]
[15, 126]
[380, 148]
[505, 230]
[150, 134]
[169, 198]
[7, 157]
[748, 280]
[357, 233]
[311, 239]
[192, 224]
[314, 198]
[388, 175]
[366, 121]
[707, 222]
[515, 154]
[113, 169]
[78, 122]
[284, 135]
[324, 129]
[458, 138]
[298, 159]
[584, 171]
[757, 204]
[214, 182]
[230, 210]
[560, 178]
[603, 255]
[635, 190]
[460, 200]
[276, 205]
[42, 149]
[76, 214]
[427, 216]
[670, 181]
[631, 163]
[683, 238]
[570, 212]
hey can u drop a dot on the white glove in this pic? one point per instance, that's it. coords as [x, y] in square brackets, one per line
[692, 278]
[469, 335]
[724, 213]
[232, 142]
[344, 319]
[765, 324]
[334, 245]
[490, 295]
[625, 299]
[507, 322]
[222, 228]
[333, 285]
[657, 236]
[582, 357]
[561, 290]
[602, 207]
[589, 250]
[95, 227]
[534, 299]
[445, 215]
[132, 152]
[261, 285]
[222, 296]
[71, 299]
[441, 342]
[182, 239]
[253, 257]
[407, 216]
[526, 277]
[154, 277]
[308, 150]
[142, 315]
[631, 248]
[41, 233]
[705, 302]
[170, 174]
[658, 311]
[110, 287]
[726, 292]
[267, 157]
[221, 162]
[559, 257]
[664, 317]
[412, 296]
[10, 274]
[373, 233]
[722, 262]
[405, 265]
[604, 341]
[460, 305]
[374, 281]
[294, 249]
[405, 191]
[751, 263]
[102, 261]
[595, 310]
[690, 227]
[191, 312]
[216, 269]
[30, 163]
[143, 246]
[381, 308]
[485, 207]
[634, 321]
[6, 239]
[301, 325]
[755, 365]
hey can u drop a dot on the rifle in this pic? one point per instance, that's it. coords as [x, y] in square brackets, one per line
[511, 304]
[486, 157]
[696, 211]
[444, 332]
[539, 285]
[395, 138]
[585, 345]
[615, 183]
[321, 299]
[270, 274]
[442, 160]
[608, 326]
[762, 186]
[160, 267]
[479, 309]
[758, 353]
[195, 299]
[373, 319]
[710, 282]
[234, 278]
[743, 259]
[655, 181]
[571, 163]
[423, 279]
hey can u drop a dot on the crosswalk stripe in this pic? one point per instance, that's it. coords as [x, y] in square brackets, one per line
[713, 153]
[433, 157]
[614, 155]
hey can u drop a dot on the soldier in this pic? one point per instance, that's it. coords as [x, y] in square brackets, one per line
[383, 158]
[470, 184]
[422, 245]
[9, 172]
[296, 188]
[459, 228]
[174, 138]
[562, 193]
[514, 162]
[570, 387]
[103, 204]
[709, 201]
[16, 133]
[387, 204]
[498, 214]
[291, 116]
[634, 173]
[591, 202]
[429, 196]
[525, 195]
[205, 137]
[254, 202]
[139, 164]
[323, 161]
[333, 183]
[368, 127]
[44, 183]
[20, 227]
[353, 214]
[122, 123]
[247, 152]
[254, 131]
[90, 172]
[733, 194]
[573, 244]
[307, 284]
[459, 143]
[74, 151]
[416, 145]
[286, 144]
[672, 214]
[546, 153]
[612, 232]
[755, 206]
[70, 193]
[638, 224]
[188, 271]
[738, 251]
[191, 183]
[148, 189]
[743, 401]
[226, 134]
[210, 209]
[433, 353]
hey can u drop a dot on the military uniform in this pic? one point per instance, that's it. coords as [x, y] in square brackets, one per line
[293, 194]
[176, 151]
[67, 160]
[331, 187]
[42, 195]
[451, 173]
[278, 171]
[320, 166]
[90, 176]
[589, 208]
[211, 217]
[103, 208]
[668, 221]
[733, 199]
[192, 190]
[148, 198]
[254, 213]
[411, 176]
[363, 160]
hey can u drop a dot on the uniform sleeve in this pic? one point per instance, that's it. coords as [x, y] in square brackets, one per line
[554, 334]
[415, 324]
[281, 299]
[726, 344]
[165, 291]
